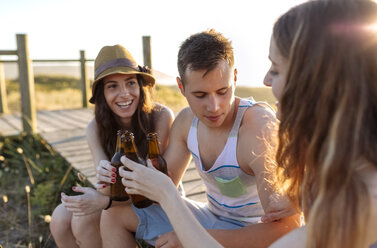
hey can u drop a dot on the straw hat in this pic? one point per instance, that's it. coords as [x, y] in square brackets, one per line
[117, 59]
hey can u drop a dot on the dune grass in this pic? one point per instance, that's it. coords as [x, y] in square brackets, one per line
[61, 92]
[32, 175]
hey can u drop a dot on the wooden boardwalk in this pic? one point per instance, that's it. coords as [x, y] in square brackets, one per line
[64, 130]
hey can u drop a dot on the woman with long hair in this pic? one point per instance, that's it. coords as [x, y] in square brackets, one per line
[123, 101]
[324, 76]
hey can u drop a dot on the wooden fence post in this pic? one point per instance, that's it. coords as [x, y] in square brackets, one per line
[85, 88]
[3, 92]
[147, 51]
[26, 81]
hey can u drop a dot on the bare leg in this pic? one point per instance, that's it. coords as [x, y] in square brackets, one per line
[118, 225]
[60, 228]
[86, 230]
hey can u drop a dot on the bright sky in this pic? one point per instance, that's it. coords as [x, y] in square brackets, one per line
[59, 29]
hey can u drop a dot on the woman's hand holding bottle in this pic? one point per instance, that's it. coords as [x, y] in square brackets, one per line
[106, 174]
[146, 181]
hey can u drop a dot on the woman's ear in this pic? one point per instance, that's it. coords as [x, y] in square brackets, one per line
[180, 85]
[235, 76]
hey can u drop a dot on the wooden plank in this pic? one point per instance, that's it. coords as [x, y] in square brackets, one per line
[190, 175]
[88, 164]
[92, 179]
[80, 115]
[44, 125]
[77, 153]
[77, 159]
[75, 116]
[60, 121]
[200, 197]
[66, 152]
[7, 129]
[88, 172]
[78, 142]
[86, 114]
[14, 120]
[49, 119]
[67, 122]
[191, 165]
[193, 187]
[73, 148]
[65, 136]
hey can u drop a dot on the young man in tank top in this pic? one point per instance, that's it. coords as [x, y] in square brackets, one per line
[228, 139]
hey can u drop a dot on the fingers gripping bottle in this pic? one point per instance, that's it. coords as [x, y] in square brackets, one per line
[154, 153]
[118, 192]
[131, 152]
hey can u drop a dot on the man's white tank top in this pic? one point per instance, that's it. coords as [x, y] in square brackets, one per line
[230, 192]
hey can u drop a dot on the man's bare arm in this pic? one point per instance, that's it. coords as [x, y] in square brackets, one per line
[177, 155]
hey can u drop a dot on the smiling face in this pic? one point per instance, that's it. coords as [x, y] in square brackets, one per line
[122, 94]
[277, 74]
[210, 94]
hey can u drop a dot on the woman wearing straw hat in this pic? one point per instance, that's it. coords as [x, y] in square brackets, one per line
[122, 98]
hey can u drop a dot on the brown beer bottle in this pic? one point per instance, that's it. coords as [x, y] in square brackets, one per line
[154, 153]
[130, 151]
[118, 192]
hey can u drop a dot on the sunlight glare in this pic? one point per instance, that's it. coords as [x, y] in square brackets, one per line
[374, 26]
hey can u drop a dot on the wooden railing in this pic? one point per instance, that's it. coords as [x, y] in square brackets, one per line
[26, 78]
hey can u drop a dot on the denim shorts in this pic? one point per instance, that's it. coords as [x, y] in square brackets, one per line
[154, 222]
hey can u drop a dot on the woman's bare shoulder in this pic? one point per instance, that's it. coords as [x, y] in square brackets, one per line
[164, 110]
[163, 114]
[91, 127]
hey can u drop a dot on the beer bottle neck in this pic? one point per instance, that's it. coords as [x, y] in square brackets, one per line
[153, 148]
[118, 147]
[129, 146]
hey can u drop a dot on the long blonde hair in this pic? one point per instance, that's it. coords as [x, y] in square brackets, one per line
[328, 126]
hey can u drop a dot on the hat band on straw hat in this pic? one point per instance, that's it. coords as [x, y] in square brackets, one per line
[114, 63]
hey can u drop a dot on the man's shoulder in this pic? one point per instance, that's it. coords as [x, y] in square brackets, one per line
[259, 114]
[258, 121]
[185, 115]
[258, 128]
[183, 120]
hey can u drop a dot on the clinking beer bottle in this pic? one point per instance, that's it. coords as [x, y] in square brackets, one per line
[154, 153]
[130, 151]
[117, 189]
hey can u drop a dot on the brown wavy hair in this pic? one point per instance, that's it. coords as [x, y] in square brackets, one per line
[142, 121]
[328, 127]
[204, 51]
